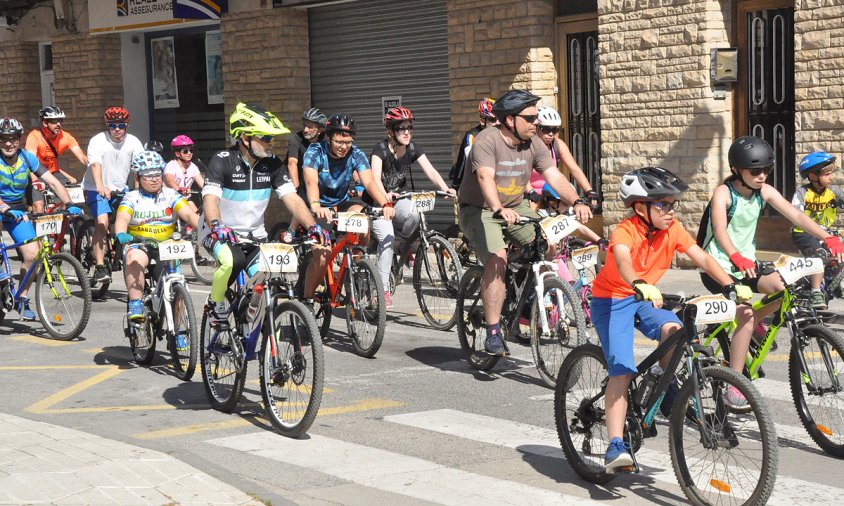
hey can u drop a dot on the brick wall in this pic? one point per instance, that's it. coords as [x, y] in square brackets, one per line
[21, 80]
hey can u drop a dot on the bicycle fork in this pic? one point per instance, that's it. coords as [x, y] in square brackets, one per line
[540, 292]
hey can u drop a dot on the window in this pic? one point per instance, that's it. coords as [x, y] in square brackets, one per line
[572, 7]
[45, 55]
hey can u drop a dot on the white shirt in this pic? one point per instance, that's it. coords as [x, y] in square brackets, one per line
[115, 159]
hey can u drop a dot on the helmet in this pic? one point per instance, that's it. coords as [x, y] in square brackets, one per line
[750, 152]
[252, 119]
[11, 126]
[340, 123]
[315, 115]
[485, 108]
[180, 141]
[154, 146]
[397, 115]
[549, 117]
[814, 162]
[513, 102]
[649, 184]
[116, 114]
[147, 162]
[51, 112]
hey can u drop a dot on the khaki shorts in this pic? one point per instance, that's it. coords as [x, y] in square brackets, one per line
[485, 234]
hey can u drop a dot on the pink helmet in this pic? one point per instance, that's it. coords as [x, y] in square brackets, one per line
[181, 141]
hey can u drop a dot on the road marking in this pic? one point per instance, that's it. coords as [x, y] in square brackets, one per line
[393, 472]
[358, 406]
[46, 367]
[43, 341]
[43, 406]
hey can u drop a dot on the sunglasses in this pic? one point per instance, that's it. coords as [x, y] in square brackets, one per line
[408, 128]
[530, 118]
[549, 130]
[758, 171]
[9, 140]
[53, 121]
[115, 126]
[666, 207]
[185, 151]
[264, 138]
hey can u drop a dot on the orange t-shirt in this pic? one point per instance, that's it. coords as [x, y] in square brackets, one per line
[651, 258]
[37, 145]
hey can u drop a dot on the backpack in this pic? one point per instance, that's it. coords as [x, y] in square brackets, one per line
[702, 239]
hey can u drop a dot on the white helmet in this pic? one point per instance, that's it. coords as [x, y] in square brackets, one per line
[649, 184]
[549, 117]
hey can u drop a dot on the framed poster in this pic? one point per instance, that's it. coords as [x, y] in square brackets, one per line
[165, 89]
[214, 67]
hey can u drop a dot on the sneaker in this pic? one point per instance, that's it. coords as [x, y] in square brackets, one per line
[182, 343]
[388, 300]
[136, 310]
[817, 300]
[218, 315]
[668, 401]
[494, 345]
[101, 275]
[734, 399]
[26, 313]
[618, 455]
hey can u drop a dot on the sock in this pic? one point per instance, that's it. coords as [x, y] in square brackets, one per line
[492, 330]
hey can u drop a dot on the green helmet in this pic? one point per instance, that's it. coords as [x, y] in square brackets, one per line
[251, 119]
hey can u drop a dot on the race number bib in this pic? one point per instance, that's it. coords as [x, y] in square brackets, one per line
[353, 222]
[713, 309]
[424, 202]
[794, 268]
[557, 228]
[77, 195]
[278, 258]
[48, 225]
[584, 258]
[175, 250]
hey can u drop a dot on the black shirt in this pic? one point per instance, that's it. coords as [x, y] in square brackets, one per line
[395, 172]
[296, 147]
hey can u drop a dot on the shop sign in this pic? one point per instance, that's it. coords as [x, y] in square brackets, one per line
[131, 15]
[388, 103]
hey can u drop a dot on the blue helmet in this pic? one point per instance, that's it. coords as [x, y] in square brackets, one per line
[147, 162]
[814, 162]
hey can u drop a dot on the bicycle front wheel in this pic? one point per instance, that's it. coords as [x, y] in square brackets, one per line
[720, 456]
[142, 341]
[366, 315]
[63, 297]
[566, 328]
[203, 264]
[436, 279]
[471, 322]
[818, 391]
[184, 342]
[292, 369]
[223, 365]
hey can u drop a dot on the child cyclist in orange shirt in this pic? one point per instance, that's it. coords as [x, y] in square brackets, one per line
[640, 251]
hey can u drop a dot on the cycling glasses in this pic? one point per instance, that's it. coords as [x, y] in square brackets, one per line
[264, 138]
[666, 207]
[757, 171]
[185, 151]
[54, 121]
[530, 118]
[9, 140]
[549, 130]
[408, 128]
[115, 126]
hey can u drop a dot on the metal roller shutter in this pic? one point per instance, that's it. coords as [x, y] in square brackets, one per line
[362, 51]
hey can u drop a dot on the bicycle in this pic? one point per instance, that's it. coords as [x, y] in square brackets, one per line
[203, 265]
[816, 359]
[168, 308]
[68, 234]
[356, 285]
[557, 322]
[583, 256]
[707, 439]
[62, 292]
[291, 357]
[436, 266]
[85, 252]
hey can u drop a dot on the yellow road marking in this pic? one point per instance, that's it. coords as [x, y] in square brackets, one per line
[43, 341]
[361, 405]
[46, 367]
[43, 406]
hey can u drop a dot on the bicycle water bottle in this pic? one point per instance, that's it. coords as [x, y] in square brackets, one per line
[648, 383]
[254, 302]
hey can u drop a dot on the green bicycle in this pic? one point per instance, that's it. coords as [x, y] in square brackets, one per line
[816, 360]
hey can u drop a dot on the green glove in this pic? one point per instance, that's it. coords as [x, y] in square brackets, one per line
[646, 291]
[743, 293]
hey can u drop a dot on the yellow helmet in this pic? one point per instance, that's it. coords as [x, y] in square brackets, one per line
[252, 119]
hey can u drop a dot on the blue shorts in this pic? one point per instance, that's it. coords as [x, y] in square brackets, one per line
[19, 230]
[97, 203]
[617, 318]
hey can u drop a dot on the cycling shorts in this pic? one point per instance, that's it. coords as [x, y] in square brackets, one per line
[19, 230]
[485, 234]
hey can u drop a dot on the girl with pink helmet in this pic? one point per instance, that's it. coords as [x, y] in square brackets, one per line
[181, 173]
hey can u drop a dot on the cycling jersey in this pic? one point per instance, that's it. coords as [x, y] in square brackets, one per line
[184, 178]
[335, 174]
[152, 216]
[244, 192]
[15, 178]
[821, 207]
[458, 170]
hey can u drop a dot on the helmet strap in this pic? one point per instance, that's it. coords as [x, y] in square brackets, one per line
[816, 184]
[646, 219]
[740, 179]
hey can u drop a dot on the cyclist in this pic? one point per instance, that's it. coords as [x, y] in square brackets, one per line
[819, 199]
[391, 162]
[237, 190]
[313, 130]
[16, 165]
[640, 251]
[149, 212]
[728, 231]
[487, 118]
[493, 194]
[109, 155]
[181, 173]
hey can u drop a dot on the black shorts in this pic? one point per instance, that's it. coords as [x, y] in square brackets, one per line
[807, 244]
[715, 287]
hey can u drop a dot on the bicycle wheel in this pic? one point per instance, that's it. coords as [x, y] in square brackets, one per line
[581, 424]
[292, 369]
[63, 297]
[223, 365]
[436, 279]
[818, 392]
[471, 323]
[184, 342]
[366, 316]
[203, 264]
[142, 342]
[566, 325]
[733, 457]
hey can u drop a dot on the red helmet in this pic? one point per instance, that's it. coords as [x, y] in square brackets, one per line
[116, 114]
[397, 115]
[485, 108]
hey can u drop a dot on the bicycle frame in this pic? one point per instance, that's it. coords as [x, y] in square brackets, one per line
[334, 285]
[41, 257]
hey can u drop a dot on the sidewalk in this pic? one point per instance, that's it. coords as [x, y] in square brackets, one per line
[44, 463]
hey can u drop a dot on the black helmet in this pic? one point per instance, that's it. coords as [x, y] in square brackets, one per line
[649, 184]
[51, 112]
[750, 152]
[315, 115]
[154, 145]
[340, 123]
[513, 102]
[11, 126]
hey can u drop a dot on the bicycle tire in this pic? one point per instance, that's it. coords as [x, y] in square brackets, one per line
[584, 370]
[223, 367]
[202, 273]
[144, 342]
[368, 288]
[442, 280]
[568, 328]
[85, 256]
[817, 417]
[51, 297]
[184, 361]
[288, 387]
[718, 475]
[471, 323]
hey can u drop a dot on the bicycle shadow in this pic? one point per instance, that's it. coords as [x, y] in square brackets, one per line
[454, 360]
